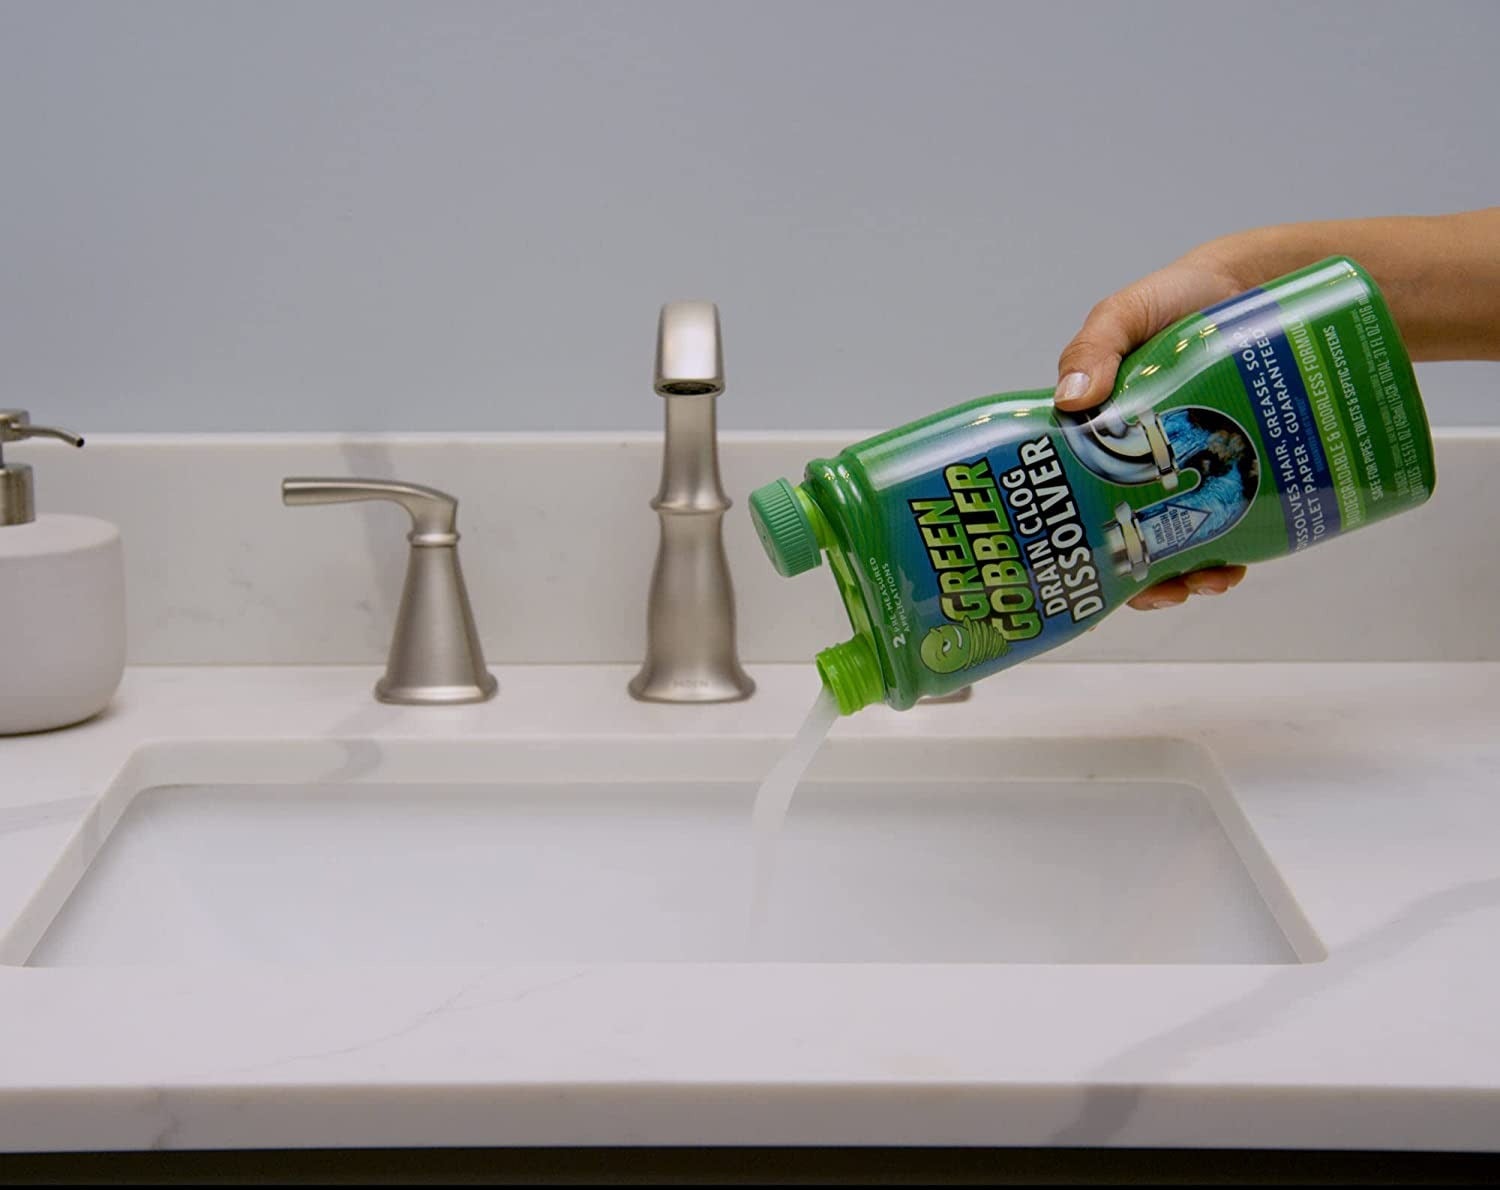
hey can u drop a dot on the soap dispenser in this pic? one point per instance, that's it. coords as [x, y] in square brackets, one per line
[62, 601]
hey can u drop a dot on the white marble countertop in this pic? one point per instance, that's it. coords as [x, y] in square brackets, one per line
[1373, 787]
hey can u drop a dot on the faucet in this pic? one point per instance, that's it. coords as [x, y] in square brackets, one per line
[435, 656]
[690, 630]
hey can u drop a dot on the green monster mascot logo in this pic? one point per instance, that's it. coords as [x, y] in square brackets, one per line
[949, 648]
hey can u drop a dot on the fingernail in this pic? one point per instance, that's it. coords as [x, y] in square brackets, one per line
[1208, 584]
[1072, 386]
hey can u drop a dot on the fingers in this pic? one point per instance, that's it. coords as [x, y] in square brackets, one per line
[1087, 367]
[1119, 324]
[1213, 581]
[1216, 580]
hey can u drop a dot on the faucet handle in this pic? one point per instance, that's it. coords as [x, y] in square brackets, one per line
[434, 514]
[435, 654]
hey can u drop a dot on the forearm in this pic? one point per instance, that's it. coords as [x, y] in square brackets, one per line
[1440, 273]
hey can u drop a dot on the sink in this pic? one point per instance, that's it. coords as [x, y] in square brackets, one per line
[635, 850]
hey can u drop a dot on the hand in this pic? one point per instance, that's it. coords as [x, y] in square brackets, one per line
[1116, 326]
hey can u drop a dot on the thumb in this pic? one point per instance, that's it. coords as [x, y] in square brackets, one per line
[1088, 365]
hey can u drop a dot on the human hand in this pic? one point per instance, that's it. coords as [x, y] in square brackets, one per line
[1116, 326]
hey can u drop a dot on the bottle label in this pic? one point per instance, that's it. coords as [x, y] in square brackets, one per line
[1253, 327]
[1006, 548]
[1170, 528]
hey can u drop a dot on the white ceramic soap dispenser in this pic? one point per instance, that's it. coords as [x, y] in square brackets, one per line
[62, 601]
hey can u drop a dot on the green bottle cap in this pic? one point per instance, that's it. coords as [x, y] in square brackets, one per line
[852, 671]
[785, 529]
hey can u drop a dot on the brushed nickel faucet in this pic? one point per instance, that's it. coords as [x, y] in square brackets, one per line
[690, 623]
[435, 656]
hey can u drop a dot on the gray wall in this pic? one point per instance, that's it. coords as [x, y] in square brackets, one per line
[380, 215]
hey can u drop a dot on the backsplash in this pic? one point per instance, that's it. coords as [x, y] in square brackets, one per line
[559, 540]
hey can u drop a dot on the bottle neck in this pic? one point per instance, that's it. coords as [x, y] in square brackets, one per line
[851, 670]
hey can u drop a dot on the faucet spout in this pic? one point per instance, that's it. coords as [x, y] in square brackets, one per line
[690, 619]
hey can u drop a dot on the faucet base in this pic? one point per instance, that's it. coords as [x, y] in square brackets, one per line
[649, 686]
[414, 695]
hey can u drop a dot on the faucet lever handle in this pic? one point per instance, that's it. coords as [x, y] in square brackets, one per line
[434, 514]
[435, 653]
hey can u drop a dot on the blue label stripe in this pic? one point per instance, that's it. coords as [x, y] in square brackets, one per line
[1295, 462]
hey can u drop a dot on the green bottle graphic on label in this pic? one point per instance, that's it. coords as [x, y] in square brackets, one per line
[988, 533]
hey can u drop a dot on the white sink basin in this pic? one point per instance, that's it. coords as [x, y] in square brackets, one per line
[896, 851]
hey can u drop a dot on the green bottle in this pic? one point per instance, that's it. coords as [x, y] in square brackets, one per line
[991, 532]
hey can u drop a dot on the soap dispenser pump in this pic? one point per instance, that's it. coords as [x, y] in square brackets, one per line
[62, 600]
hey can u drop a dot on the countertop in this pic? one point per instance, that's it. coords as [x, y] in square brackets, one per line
[1374, 789]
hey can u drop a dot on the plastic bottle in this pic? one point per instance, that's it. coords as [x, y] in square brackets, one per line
[988, 533]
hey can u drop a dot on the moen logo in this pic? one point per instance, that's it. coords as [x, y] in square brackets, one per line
[975, 555]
